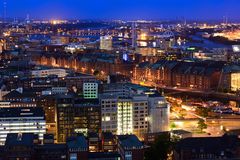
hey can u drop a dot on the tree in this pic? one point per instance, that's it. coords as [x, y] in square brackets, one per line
[160, 149]
[202, 125]
[182, 113]
[173, 125]
[96, 73]
[201, 111]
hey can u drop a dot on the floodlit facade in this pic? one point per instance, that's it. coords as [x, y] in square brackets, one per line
[106, 43]
[235, 81]
[124, 116]
[159, 111]
[2, 45]
[72, 48]
[121, 115]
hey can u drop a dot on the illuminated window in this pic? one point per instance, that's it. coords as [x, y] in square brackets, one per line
[107, 118]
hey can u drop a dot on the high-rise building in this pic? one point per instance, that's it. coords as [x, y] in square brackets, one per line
[77, 116]
[76, 83]
[106, 43]
[90, 90]
[132, 114]
[117, 114]
[140, 115]
[134, 35]
[2, 45]
[109, 113]
[22, 120]
[124, 116]
[159, 111]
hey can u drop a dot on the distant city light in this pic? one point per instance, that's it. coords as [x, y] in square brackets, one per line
[55, 22]
[236, 48]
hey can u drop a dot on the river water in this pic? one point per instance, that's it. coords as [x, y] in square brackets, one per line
[205, 43]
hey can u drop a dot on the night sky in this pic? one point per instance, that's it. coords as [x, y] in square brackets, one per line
[124, 9]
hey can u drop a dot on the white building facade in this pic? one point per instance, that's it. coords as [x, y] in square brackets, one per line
[159, 111]
[22, 120]
[47, 72]
[137, 114]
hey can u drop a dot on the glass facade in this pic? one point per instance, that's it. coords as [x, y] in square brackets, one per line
[74, 119]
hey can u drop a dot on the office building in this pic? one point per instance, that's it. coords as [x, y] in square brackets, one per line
[109, 113]
[90, 90]
[140, 115]
[124, 116]
[159, 112]
[75, 83]
[48, 72]
[106, 43]
[22, 120]
[136, 114]
[77, 116]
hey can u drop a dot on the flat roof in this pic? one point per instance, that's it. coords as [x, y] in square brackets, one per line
[21, 112]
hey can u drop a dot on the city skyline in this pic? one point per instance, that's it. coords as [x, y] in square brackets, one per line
[119, 79]
[125, 10]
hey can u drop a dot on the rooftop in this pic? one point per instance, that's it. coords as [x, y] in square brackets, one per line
[209, 144]
[21, 112]
[14, 139]
[105, 155]
[129, 141]
[108, 135]
[78, 142]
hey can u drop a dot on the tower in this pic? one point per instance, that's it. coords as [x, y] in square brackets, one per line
[134, 35]
[27, 19]
[4, 11]
[225, 20]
